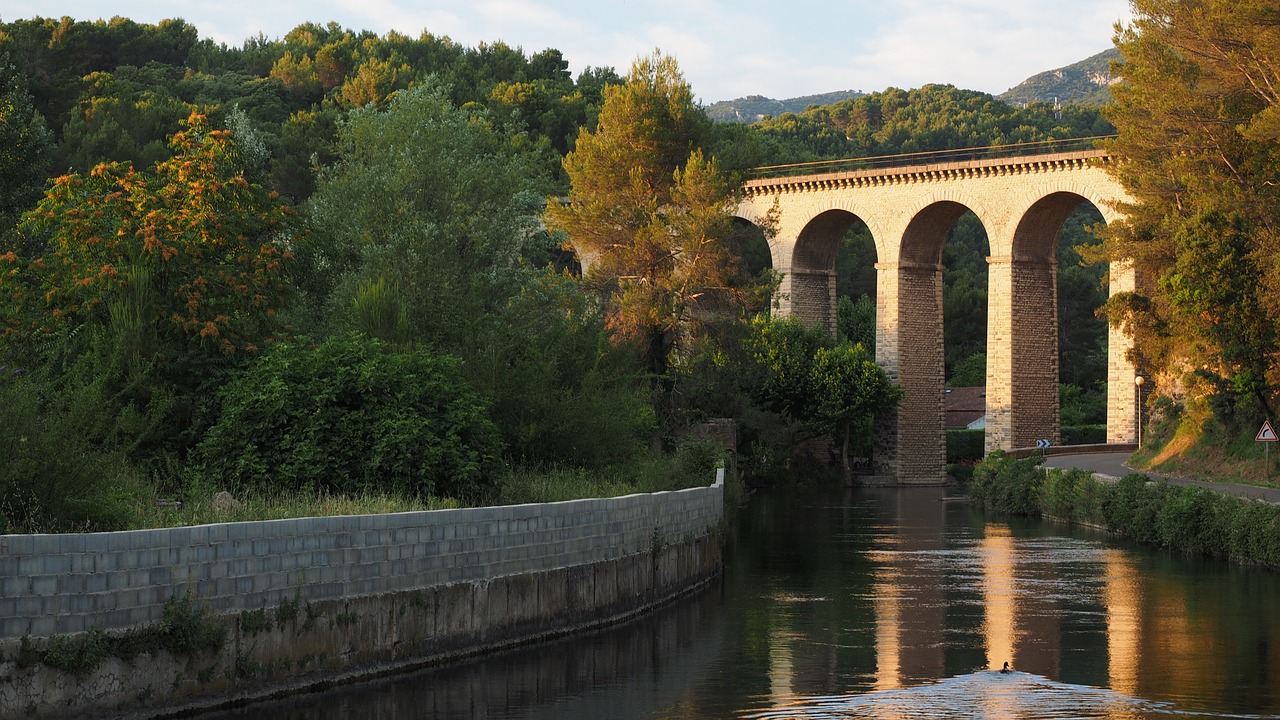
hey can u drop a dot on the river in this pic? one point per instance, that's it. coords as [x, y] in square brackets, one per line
[874, 603]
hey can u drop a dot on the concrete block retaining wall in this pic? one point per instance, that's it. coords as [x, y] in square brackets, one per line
[379, 592]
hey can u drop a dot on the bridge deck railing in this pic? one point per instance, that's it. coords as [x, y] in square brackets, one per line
[990, 152]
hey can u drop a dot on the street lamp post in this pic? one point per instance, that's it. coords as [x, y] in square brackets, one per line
[1137, 381]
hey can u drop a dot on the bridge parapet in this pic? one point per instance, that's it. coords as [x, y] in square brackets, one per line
[827, 180]
[991, 154]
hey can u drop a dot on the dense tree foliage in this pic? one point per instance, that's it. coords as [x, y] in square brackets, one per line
[1199, 122]
[437, 202]
[135, 289]
[933, 117]
[385, 197]
[649, 214]
[809, 378]
[115, 90]
[54, 478]
[191, 250]
[25, 146]
[350, 416]
[425, 233]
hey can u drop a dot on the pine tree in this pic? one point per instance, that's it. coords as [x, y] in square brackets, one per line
[649, 216]
[1198, 116]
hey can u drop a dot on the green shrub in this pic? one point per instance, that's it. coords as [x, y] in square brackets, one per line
[1068, 494]
[1008, 485]
[965, 445]
[184, 629]
[692, 465]
[962, 473]
[1189, 519]
[51, 478]
[1254, 533]
[253, 622]
[1149, 498]
[1084, 434]
[78, 654]
[697, 461]
[350, 416]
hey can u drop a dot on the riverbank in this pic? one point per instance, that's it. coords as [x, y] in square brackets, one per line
[158, 622]
[1180, 518]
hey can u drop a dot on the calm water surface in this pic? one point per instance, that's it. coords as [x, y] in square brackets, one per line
[888, 604]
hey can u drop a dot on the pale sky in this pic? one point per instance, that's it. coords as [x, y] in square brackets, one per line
[726, 48]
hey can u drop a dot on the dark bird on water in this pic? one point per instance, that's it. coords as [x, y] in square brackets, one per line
[1005, 669]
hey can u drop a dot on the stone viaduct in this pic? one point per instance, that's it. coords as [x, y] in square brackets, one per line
[1022, 201]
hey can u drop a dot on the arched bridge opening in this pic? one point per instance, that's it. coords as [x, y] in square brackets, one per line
[1022, 203]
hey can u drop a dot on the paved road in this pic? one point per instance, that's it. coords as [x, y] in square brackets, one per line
[1113, 464]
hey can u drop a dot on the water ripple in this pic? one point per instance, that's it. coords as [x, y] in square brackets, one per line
[988, 694]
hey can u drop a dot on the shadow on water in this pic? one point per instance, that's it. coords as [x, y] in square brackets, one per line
[633, 671]
[886, 604]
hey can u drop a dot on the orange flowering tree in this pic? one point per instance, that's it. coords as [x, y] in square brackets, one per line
[189, 255]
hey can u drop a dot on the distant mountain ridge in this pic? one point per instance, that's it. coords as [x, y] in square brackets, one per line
[1087, 82]
[753, 108]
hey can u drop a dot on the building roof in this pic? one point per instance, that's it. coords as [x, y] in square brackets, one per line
[964, 405]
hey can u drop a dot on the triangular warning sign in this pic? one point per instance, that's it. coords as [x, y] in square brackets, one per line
[1267, 433]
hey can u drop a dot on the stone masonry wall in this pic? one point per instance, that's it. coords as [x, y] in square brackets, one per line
[813, 298]
[386, 589]
[1122, 394]
[1036, 414]
[920, 369]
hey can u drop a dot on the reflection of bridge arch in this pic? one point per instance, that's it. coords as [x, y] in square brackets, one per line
[1022, 203]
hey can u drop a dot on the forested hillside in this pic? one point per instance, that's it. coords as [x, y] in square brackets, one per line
[1087, 82]
[323, 264]
[894, 121]
[754, 108]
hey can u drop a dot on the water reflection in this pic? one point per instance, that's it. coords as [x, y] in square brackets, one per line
[1124, 632]
[890, 604]
[997, 557]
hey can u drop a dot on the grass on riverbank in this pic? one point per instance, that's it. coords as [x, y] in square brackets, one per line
[1193, 443]
[134, 504]
[1178, 518]
[203, 510]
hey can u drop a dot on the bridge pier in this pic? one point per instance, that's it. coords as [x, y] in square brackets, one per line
[811, 296]
[1123, 395]
[912, 442]
[1022, 353]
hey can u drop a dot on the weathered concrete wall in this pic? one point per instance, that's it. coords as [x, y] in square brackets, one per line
[322, 599]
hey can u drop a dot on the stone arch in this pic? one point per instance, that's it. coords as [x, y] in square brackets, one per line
[1107, 196]
[1035, 235]
[1023, 403]
[913, 336]
[925, 235]
[745, 235]
[766, 220]
[909, 210]
[931, 219]
[810, 281]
